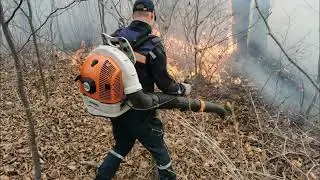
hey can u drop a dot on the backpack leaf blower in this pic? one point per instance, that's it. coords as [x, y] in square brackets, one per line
[110, 86]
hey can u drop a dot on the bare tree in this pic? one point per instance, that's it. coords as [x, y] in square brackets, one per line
[165, 13]
[71, 4]
[194, 28]
[205, 26]
[102, 16]
[21, 89]
[115, 9]
[1, 44]
[33, 35]
[51, 31]
[316, 94]
[273, 37]
[36, 46]
[60, 33]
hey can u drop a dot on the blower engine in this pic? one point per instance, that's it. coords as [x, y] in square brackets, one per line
[110, 85]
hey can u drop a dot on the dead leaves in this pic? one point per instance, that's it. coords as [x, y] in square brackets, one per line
[4, 177]
[72, 143]
[72, 166]
[297, 163]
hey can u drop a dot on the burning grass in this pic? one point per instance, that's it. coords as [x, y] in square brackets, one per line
[256, 142]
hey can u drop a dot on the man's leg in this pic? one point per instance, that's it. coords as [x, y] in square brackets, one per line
[124, 143]
[152, 139]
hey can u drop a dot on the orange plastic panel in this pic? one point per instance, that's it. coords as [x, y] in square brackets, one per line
[107, 77]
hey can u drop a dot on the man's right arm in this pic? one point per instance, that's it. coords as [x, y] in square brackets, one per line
[158, 66]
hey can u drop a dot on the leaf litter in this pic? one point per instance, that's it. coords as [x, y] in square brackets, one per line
[256, 142]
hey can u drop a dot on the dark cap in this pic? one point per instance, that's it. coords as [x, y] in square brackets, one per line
[143, 5]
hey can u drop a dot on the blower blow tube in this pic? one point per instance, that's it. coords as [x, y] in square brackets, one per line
[144, 101]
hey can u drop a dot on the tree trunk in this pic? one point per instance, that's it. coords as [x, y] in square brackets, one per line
[1, 43]
[196, 62]
[35, 43]
[60, 34]
[22, 94]
[241, 14]
[52, 62]
[316, 94]
[196, 41]
[258, 34]
[51, 33]
[102, 16]
[319, 69]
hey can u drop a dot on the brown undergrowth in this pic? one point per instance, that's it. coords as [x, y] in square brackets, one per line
[256, 142]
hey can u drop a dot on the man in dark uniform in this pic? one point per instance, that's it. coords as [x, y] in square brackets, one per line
[143, 125]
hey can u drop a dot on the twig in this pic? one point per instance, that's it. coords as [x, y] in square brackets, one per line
[45, 22]
[255, 110]
[283, 156]
[163, 34]
[213, 144]
[21, 9]
[284, 146]
[264, 85]
[89, 163]
[41, 37]
[267, 175]
[310, 170]
[14, 12]
[311, 7]
[282, 49]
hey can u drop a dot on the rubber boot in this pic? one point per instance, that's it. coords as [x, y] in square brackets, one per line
[108, 168]
[167, 174]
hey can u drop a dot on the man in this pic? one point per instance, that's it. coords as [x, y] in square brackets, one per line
[143, 125]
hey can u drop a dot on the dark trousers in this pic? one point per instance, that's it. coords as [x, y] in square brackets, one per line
[148, 130]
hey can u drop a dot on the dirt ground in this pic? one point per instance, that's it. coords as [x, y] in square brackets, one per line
[256, 142]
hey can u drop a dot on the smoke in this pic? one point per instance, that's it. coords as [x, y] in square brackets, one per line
[71, 26]
[279, 82]
[241, 14]
[294, 22]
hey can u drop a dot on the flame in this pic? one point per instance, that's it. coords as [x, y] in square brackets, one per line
[181, 54]
[155, 30]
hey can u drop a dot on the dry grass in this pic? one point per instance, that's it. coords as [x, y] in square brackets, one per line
[256, 142]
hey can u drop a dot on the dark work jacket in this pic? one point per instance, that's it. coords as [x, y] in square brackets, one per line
[155, 69]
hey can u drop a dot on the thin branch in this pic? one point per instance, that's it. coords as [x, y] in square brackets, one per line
[21, 9]
[48, 17]
[167, 26]
[14, 12]
[41, 37]
[117, 11]
[311, 7]
[255, 111]
[316, 94]
[282, 49]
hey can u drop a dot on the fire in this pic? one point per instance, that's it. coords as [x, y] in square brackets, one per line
[212, 56]
[180, 55]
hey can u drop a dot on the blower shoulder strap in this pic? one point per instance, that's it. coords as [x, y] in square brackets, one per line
[115, 34]
[141, 40]
[142, 58]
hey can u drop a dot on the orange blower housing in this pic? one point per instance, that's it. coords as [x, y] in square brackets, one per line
[101, 79]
